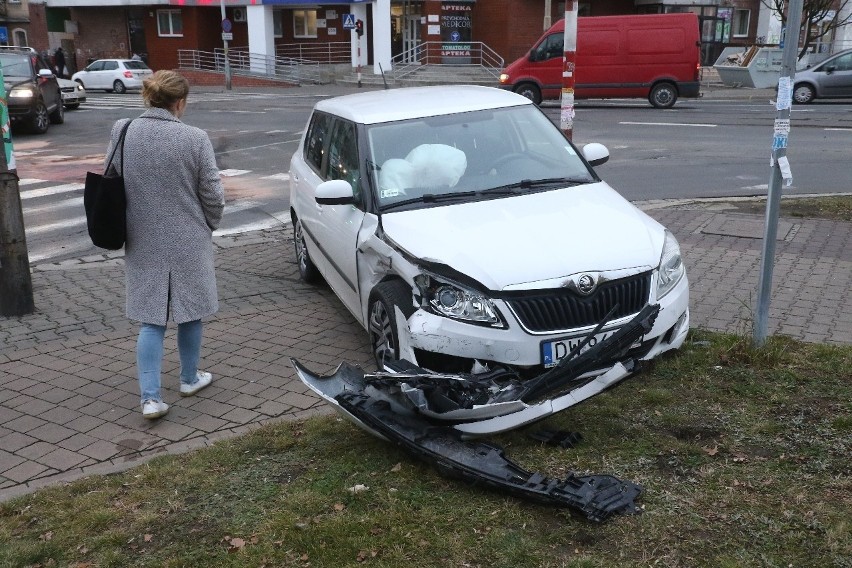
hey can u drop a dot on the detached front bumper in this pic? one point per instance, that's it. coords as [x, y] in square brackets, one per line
[516, 347]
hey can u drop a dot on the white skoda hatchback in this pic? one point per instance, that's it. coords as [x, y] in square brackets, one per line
[464, 232]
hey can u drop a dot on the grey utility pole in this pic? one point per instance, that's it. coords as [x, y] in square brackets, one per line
[226, 24]
[780, 167]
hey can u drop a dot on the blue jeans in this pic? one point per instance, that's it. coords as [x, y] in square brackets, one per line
[149, 356]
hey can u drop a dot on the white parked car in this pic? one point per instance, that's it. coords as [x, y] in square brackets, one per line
[73, 93]
[463, 231]
[110, 75]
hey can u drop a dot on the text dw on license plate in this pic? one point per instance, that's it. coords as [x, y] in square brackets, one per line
[554, 351]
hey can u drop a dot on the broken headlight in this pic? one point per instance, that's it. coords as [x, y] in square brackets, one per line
[452, 300]
[671, 268]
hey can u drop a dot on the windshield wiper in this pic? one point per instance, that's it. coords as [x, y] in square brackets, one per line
[432, 198]
[512, 188]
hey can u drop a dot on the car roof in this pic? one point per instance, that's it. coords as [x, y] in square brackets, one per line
[390, 105]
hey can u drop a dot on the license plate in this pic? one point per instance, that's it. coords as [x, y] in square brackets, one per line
[554, 351]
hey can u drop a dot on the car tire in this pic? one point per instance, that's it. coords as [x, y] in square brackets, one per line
[803, 94]
[40, 120]
[663, 95]
[58, 115]
[307, 269]
[530, 91]
[119, 87]
[381, 324]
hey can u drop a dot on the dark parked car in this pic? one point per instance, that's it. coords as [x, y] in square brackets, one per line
[827, 80]
[32, 91]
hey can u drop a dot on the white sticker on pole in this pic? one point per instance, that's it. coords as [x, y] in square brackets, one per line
[782, 126]
[785, 93]
[786, 175]
[570, 33]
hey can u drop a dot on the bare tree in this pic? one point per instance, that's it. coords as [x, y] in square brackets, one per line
[814, 12]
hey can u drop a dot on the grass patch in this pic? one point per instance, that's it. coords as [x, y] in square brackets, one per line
[833, 208]
[743, 453]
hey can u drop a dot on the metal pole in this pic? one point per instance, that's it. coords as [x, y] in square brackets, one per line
[225, 42]
[566, 116]
[780, 168]
[16, 287]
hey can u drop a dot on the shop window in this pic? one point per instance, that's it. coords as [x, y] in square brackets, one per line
[277, 24]
[741, 21]
[304, 23]
[169, 23]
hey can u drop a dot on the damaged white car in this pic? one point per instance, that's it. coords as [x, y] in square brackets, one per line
[465, 233]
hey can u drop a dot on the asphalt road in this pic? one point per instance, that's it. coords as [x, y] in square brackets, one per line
[701, 148]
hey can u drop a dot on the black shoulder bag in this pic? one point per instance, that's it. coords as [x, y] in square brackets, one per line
[106, 203]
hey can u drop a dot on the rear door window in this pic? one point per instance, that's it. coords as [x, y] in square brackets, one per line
[316, 140]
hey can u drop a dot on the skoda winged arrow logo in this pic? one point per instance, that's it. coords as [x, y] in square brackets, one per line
[586, 284]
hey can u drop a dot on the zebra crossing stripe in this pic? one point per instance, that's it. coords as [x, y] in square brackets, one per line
[52, 190]
[282, 177]
[232, 172]
[65, 204]
[29, 181]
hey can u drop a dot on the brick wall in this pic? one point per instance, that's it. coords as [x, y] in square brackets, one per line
[201, 30]
[209, 79]
[36, 29]
[102, 33]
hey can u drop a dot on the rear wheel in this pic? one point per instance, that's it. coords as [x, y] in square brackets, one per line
[119, 87]
[40, 119]
[803, 94]
[307, 270]
[663, 95]
[384, 336]
[530, 91]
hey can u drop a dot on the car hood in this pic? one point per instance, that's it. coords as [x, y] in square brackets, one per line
[521, 240]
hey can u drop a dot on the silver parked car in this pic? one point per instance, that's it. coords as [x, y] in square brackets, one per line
[830, 79]
[110, 75]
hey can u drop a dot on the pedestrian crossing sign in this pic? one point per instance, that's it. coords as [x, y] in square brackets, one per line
[348, 21]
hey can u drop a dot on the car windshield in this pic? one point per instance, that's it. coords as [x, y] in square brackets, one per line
[15, 65]
[470, 156]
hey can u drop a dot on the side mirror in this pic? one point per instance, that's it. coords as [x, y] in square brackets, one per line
[334, 192]
[596, 154]
[46, 73]
[829, 69]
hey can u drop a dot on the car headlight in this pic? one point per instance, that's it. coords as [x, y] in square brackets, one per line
[671, 268]
[79, 87]
[455, 301]
[504, 77]
[21, 93]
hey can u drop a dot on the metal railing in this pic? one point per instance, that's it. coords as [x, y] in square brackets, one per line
[472, 53]
[326, 52]
[244, 63]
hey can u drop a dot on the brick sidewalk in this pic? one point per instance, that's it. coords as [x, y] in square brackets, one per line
[69, 399]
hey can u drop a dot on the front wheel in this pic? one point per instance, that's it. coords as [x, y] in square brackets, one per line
[530, 91]
[803, 94]
[40, 120]
[307, 270]
[663, 95]
[119, 87]
[384, 336]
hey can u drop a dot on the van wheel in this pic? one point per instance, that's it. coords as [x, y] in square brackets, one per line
[530, 91]
[663, 95]
[803, 94]
[384, 336]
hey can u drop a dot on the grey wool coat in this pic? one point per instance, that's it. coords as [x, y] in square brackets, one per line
[174, 202]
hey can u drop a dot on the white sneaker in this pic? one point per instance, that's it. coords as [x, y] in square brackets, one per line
[202, 379]
[152, 409]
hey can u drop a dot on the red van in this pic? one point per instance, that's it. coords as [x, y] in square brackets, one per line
[655, 56]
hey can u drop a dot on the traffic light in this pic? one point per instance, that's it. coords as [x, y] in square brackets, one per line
[359, 27]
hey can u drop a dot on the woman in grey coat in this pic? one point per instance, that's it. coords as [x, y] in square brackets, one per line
[174, 202]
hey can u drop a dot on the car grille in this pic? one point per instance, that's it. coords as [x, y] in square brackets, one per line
[543, 311]
[68, 89]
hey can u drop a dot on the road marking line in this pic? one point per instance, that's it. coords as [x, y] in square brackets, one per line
[82, 244]
[282, 177]
[840, 129]
[275, 220]
[73, 202]
[52, 190]
[29, 181]
[232, 172]
[261, 146]
[669, 124]
[75, 222]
